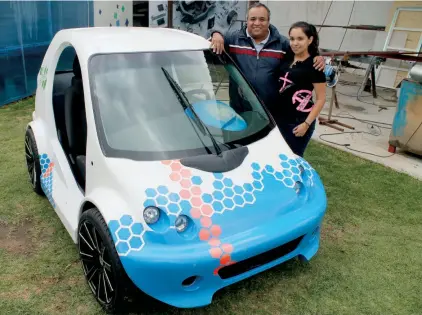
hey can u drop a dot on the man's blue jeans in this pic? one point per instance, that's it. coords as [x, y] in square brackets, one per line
[297, 144]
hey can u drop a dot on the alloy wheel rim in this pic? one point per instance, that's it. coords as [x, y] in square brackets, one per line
[30, 161]
[96, 263]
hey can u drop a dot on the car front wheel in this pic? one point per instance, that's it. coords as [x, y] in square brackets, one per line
[101, 265]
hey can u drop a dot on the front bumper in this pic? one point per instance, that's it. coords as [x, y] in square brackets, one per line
[160, 270]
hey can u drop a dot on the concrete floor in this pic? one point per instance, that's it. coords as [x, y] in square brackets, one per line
[372, 137]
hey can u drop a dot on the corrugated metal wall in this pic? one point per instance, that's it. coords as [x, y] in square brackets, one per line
[26, 29]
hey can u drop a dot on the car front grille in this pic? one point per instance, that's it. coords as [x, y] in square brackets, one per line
[258, 260]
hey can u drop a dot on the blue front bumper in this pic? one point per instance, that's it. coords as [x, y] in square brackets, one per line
[159, 270]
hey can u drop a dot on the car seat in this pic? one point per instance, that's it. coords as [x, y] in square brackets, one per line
[75, 118]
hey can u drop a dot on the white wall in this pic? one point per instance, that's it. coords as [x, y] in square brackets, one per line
[113, 13]
[285, 13]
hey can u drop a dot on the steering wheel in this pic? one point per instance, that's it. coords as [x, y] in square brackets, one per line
[207, 93]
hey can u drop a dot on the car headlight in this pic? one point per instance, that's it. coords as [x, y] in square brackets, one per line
[181, 223]
[151, 214]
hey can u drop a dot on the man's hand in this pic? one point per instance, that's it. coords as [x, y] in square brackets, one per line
[319, 63]
[217, 43]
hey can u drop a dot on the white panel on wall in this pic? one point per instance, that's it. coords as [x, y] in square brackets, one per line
[285, 13]
[158, 13]
[113, 13]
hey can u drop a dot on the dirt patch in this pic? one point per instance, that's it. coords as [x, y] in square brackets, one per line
[17, 239]
[24, 294]
[330, 232]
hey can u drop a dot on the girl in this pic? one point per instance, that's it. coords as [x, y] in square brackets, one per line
[297, 112]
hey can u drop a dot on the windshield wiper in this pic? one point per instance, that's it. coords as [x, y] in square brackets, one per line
[186, 104]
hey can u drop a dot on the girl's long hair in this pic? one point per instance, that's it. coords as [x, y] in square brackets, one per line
[310, 31]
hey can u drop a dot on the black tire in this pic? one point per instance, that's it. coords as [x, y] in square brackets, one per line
[33, 161]
[108, 270]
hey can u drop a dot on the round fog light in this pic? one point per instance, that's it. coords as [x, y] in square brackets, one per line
[181, 223]
[151, 214]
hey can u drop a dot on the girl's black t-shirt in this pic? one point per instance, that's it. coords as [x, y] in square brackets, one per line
[295, 90]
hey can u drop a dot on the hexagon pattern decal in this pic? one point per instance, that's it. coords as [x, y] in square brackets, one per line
[47, 177]
[227, 196]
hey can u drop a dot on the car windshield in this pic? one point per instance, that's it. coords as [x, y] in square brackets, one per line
[171, 105]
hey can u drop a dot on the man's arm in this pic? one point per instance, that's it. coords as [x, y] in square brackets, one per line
[319, 63]
[220, 40]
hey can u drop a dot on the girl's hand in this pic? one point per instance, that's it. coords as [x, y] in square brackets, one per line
[300, 130]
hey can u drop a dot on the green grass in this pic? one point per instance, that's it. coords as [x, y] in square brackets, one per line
[370, 259]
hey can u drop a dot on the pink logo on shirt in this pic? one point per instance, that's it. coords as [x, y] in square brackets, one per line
[285, 81]
[302, 97]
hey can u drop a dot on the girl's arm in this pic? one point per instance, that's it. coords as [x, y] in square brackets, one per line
[319, 103]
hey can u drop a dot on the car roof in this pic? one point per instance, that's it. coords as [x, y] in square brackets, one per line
[93, 40]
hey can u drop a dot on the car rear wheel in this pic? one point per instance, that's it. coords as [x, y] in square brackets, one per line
[100, 262]
[33, 161]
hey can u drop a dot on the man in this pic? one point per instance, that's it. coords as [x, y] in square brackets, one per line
[259, 50]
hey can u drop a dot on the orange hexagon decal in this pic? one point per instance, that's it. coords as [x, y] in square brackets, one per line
[216, 252]
[186, 173]
[225, 259]
[206, 222]
[195, 190]
[185, 194]
[175, 176]
[185, 183]
[207, 210]
[195, 213]
[204, 235]
[227, 248]
[176, 167]
[214, 242]
[216, 230]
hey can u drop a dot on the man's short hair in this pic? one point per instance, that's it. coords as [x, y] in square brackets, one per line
[259, 5]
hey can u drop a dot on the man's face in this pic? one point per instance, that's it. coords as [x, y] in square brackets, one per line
[258, 23]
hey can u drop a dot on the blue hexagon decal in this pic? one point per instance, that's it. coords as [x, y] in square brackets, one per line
[228, 182]
[228, 203]
[248, 187]
[162, 201]
[122, 248]
[173, 208]
[135, 242]
[149, 202]
[218, 185]
[283, 157]
[238, 190]
[163, 190]
[238, 200]
[207, 198]
[124, 234]
[217, 206]
[228, 192]
[151, 193]
[218, 175]
[126, 220]
[137, 228]
[218, 195]
[173, 197]
[196, 180]
[185, 205]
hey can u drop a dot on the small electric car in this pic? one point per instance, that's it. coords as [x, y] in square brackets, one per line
[165, 167]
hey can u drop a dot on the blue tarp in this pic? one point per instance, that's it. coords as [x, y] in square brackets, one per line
[26, 30]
